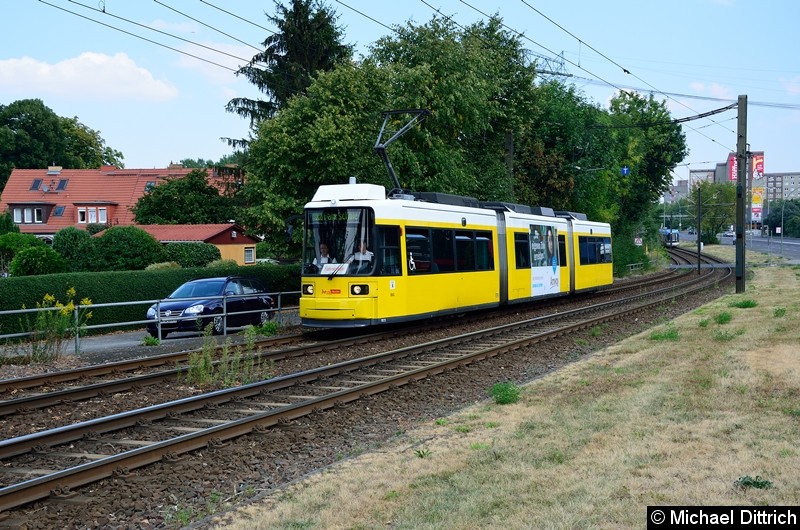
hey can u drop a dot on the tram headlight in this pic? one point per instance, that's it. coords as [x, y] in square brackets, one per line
[359, 289]
[308, 289]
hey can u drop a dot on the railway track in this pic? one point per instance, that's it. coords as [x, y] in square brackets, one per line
[38, 465]
[24, 395]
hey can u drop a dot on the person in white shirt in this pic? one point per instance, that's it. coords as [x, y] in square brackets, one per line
[363, 254]
[324, 257]
[361, 261]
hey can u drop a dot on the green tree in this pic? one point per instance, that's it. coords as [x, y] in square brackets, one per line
[308, 40]
[186, 200]
[32, 136]
[7, 224]
[70, 243]
[785, 213]
[717, 208]
[12, 243]
[476, 83]
[85, 148]
[121, 248]
[37, 260]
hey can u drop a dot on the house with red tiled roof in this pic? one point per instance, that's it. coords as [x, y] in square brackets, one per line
[229, 238]
[43, 201]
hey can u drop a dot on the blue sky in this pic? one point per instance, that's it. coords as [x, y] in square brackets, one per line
[157, 105]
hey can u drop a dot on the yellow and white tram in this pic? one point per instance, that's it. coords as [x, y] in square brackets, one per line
[419, 255]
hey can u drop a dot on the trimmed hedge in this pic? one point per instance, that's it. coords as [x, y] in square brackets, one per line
[127, 286]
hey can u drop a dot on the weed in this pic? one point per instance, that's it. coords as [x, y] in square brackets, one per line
[779, 312]
[670, 333]
[597, 331]
[391, 495]
[581, 342]
[492, 424]
[744, 304]
[723, 318]
[480, 446]
[54, 323]
[505, 393]
[442, 421]
[725, 335]
[149, 340]
[463, 429]
[703, 323]
[423, 452]
[750, 482]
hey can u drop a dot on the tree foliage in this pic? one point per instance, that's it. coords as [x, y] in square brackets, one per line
[494, 133]
[69, 243]
[307, 41]
[785, 213]
[121, 248]
[7, 223]
[12, 243]
[186, 200]
[37, 260]
[191, 254]
[32, 136]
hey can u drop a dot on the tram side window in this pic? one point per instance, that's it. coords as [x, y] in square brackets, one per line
[389, 250]
[465, 251]
[562, 250]
[594, 250]
[483, 250]
[443, 250]
[522, 250]
[418, 246]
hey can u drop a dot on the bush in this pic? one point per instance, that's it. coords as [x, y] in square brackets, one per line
[163, 265]
[127, 286]
[191, 254]
[12, 243]
[69, 242]
[504, 393]
[37, 260]
[123, 248]
[222, 263]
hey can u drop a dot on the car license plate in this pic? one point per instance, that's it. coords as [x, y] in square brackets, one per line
[168, 321]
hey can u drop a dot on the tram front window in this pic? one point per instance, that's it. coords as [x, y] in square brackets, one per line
[337, 241]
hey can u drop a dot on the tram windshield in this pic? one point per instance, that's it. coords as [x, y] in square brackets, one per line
[339, 241]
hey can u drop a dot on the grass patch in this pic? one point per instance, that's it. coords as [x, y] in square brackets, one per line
[723, 318]
[744, 304]
[779, 312]
[670, 334]
[504, 393]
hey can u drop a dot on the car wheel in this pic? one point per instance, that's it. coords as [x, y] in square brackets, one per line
[264, 317]
[217, 325]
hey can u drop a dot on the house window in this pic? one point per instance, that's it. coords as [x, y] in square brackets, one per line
[250, 254]
[82, 215]
[62, 184]
[35, 184]
[149, 186]
[38, 215]
[102, 215]
[18, 215]
[28, 215]
[59, 211]
[92, 215]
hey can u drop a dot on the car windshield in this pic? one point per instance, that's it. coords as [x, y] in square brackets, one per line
[197, 289]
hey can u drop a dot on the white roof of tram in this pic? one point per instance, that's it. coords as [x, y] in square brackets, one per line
[350, 192]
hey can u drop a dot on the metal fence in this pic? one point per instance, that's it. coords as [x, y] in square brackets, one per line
[280, 312]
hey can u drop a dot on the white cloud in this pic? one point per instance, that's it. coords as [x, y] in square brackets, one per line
[792, 85]
[87, 76]
[712, 89]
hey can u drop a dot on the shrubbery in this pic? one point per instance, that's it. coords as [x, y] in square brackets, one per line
[37, 260]
[191, 254]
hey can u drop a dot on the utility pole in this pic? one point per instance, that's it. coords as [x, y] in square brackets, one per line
[741, 189]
